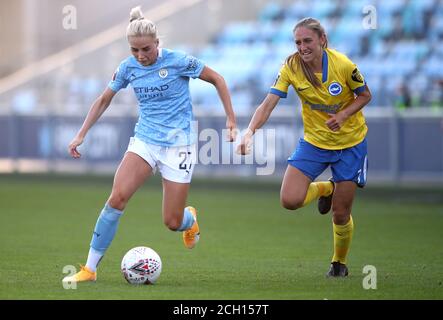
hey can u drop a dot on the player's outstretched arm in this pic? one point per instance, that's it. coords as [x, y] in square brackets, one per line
[98, 107]
[261, 115]
[219, 83]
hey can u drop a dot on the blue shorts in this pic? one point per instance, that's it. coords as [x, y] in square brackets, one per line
[350, 164]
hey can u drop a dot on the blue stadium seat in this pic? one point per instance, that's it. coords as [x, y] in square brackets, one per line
[270, 12]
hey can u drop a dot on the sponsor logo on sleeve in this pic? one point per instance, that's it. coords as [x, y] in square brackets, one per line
[356, 76]
[192, 64]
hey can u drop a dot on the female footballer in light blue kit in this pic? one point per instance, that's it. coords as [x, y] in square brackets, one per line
[164, 138]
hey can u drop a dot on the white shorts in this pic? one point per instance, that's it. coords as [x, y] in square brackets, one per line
[174, 163]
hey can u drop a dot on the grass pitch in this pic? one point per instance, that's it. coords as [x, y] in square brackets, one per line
[250, 247]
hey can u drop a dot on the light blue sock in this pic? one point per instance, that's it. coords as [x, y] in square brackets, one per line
[188, 220]
[105, 228]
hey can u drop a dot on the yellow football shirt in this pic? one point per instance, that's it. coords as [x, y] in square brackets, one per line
[340, 80]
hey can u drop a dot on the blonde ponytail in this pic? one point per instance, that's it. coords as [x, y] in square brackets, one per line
[139, 26]
[136, 13]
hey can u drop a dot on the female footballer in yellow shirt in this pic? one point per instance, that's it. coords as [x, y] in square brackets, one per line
[332, 92]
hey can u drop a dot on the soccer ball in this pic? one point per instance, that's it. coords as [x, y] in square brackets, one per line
[141, 265]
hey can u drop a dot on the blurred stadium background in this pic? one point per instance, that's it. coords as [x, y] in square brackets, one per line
[50, 75]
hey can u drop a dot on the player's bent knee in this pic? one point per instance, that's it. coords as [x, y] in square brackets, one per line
[291, 204]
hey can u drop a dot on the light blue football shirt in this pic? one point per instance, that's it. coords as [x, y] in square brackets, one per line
[162, 91]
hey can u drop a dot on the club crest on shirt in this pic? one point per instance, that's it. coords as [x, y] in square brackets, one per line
[163, 73]
[335, 89]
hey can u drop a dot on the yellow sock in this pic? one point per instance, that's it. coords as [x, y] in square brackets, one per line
[342, 240]
[318, 189]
